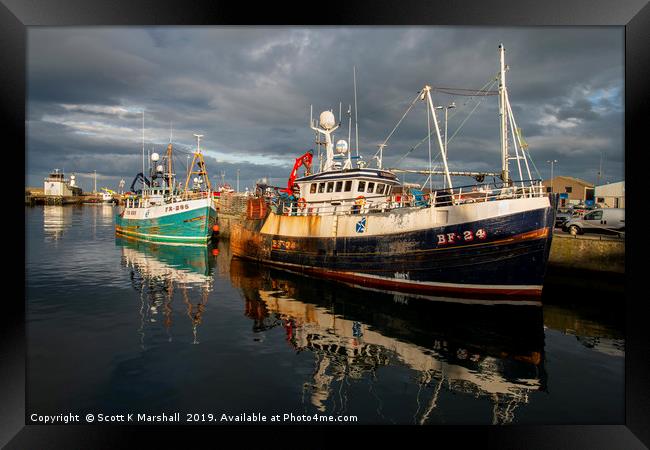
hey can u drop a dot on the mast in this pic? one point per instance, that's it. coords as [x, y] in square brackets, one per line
[356, 117]
[502, 113]
[326, 128]
[170, 184]
[427, 92]
[201, 172]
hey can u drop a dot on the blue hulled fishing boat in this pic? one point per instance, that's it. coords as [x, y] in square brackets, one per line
[365, 227]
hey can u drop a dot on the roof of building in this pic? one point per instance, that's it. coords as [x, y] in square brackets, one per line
[572, 179]
[622, 182]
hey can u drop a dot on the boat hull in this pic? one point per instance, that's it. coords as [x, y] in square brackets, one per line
[503, 253]
[187, 222]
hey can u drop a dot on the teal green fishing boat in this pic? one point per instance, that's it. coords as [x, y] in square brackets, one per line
[163, 211]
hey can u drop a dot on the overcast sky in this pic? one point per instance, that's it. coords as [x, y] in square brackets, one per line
[249, 90]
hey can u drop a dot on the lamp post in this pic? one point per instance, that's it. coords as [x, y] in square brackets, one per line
[553, 161]
[447, 108]
[450, 106]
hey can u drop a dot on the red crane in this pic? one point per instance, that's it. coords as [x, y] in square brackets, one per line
[304, 159]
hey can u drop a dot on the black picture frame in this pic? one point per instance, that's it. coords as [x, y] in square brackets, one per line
[634, 15]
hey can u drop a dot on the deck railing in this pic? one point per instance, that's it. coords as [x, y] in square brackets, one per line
[138, 201]
[437, 198]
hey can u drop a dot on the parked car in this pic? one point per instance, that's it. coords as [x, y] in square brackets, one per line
[561, 217]
[581, 208]
[606, 221]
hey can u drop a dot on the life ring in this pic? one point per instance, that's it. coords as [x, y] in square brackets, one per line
[302, 203]
[360, 200]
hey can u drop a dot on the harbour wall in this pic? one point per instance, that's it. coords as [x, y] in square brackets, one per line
[588, 252]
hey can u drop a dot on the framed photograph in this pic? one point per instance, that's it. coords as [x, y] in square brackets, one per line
[408, 216]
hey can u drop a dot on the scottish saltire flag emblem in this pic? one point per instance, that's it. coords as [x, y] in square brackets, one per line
[361, 225]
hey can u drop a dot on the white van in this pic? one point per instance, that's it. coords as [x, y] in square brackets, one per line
[606, 220]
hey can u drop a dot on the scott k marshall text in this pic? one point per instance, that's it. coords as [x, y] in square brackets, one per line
[176, 417]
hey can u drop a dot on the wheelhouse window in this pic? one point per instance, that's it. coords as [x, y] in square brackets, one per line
[339, 186]
[387, 190]
[362, 186]
[380, 189]
[330, 186]
[321, 188]
[312, 188]
[371, 188]
[348, 186]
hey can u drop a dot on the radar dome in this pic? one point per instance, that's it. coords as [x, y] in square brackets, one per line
[327, 120]
[341, 146]
[155, 156]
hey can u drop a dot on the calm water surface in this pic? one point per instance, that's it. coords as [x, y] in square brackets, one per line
[117, 326]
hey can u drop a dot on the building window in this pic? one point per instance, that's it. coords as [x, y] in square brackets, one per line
[362, 186]
[348, 186]
[548, 189]
[330, 186]
[568, 189]
[321, 188]
[312, 188]
[600, 200]
[339, 186]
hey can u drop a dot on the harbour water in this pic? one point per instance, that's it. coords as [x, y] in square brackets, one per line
[115, 326]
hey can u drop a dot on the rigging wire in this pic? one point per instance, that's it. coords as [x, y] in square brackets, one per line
[399, 122]
[465, 120]
[489, 85]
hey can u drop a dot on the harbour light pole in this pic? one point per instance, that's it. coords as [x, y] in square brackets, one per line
[446, 108]
[237, 180]
[553, 161]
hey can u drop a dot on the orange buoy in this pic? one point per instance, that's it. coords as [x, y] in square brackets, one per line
[215, 228]
[302, 203]
[215, 252]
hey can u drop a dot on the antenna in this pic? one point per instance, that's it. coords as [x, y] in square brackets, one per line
[143, 147]
[350, 125]
[356, 118]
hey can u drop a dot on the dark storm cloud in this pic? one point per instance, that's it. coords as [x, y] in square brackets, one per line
[248, 90]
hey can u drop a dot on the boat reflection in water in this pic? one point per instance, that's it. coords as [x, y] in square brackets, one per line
[159, 272]
[493, 352]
